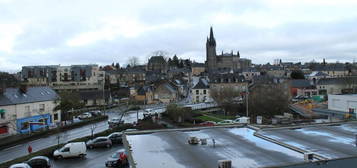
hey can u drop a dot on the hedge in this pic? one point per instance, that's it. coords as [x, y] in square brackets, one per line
[49, 151]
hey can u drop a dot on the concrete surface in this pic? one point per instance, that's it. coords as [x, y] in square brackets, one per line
[336, 141]
[171, 149]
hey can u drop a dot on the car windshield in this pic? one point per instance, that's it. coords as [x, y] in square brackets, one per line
[117, 154]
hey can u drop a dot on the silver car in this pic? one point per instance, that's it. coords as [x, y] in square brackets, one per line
[99, 142]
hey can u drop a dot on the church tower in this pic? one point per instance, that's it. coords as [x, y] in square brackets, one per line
[211, 52]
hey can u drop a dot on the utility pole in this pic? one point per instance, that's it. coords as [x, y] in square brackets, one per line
[247, 97]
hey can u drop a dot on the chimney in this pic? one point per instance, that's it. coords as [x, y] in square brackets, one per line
[23, 88]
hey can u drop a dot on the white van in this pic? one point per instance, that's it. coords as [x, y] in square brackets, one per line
[74, 149]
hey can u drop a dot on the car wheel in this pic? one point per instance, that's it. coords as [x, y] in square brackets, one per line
[81, 156]
[108, 145]
[91, 147]
[60, 157]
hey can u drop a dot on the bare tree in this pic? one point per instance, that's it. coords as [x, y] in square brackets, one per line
[226, 97]
[133, 61]
[160, 53]
[163, 53]
[269, 99]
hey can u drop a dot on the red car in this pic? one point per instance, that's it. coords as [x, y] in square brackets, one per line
[208, 123]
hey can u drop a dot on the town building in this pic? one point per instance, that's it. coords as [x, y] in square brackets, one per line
[95, 97]
[302, 87]
[157, 64]
[65, 78]
[144, 95]
[197, 68]
[316, 76]
[250, 73]
[165, 92]
[200, 92]
[341, 85]
[235, 81]
[24, 110]
[225, 61]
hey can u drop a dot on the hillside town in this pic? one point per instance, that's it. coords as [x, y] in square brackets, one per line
[226, 90]
[144, 85]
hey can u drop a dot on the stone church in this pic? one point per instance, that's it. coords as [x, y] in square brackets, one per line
[226, 61]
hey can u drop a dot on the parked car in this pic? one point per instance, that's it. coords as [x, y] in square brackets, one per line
[74, 149]
[95, 113]
[208, 123]
[226, 122]
[116, 137]
[39, 162]
[115, 121]
[131, 129]
[20, 165]
[85, 115]
[118, 159]
[242, 120]
[99, 142]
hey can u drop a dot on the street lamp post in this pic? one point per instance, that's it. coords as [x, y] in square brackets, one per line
[247, 97]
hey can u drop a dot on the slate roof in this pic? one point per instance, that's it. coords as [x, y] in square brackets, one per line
[144, 89]
[300, 83]
[157, 59]
[202, 84]
[12, 96]
[338, 81]
[226, 78]
[317, 73]
[170, 88]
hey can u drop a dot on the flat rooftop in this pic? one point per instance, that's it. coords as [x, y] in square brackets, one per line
[170, 149]
[332, 142]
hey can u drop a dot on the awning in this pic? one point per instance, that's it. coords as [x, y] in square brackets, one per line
[2, 111]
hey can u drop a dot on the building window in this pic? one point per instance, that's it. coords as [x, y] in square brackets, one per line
[25, 125]
[351, 110]
[27, 111]
[2, 115]
[204, 92]
[197, 98]
[42, 107]
[197, 92]
[55, 116]
[42, 120]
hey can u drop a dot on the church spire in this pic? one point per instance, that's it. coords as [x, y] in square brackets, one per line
[212, 41]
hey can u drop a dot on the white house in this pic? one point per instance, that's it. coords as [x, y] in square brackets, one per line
[200, 91]
[27, 109]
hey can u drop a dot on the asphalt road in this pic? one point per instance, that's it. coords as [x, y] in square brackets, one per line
[95, 158]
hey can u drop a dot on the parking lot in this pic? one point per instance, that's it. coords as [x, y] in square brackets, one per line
[95, 158]
[171, 149]
[335, 141]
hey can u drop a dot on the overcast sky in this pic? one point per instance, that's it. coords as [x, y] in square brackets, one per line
[42, 32]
